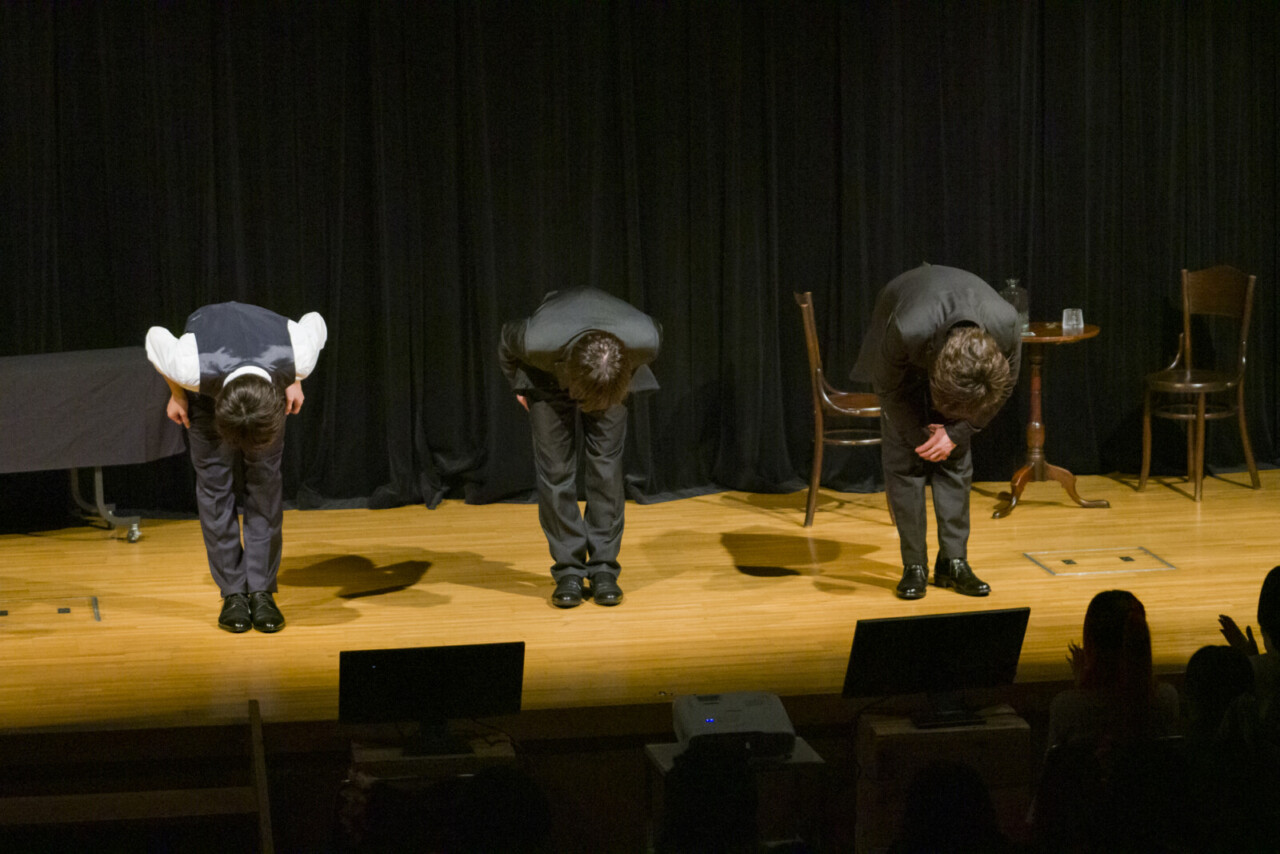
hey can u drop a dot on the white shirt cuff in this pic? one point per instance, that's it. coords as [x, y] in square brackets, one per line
[175, 358]
[308, 335]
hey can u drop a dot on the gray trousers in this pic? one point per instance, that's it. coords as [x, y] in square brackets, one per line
[905, 476]
[580, 545]
[251, 565]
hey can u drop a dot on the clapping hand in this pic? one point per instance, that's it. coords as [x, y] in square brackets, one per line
[1242, 641]
[1075, 657]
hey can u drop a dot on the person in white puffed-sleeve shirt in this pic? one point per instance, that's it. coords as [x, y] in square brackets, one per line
[234, 375]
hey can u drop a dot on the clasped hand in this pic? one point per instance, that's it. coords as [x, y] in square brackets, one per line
[938, 447]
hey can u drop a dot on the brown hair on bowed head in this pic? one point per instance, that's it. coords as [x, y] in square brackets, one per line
[249, 413]
[599, 372]
[970, 378]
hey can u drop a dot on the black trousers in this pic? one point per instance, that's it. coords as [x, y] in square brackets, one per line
[905, 476]
[581, 544]
[237, 566]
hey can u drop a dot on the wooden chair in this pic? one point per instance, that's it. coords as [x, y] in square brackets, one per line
[138, 803]
[1193, 395]
[829, 401]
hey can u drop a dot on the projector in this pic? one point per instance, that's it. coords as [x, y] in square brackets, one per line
[751, 721]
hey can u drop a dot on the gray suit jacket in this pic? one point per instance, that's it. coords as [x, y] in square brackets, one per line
[912, 317]
[533, 351]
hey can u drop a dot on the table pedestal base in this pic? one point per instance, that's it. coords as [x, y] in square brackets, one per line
[1036, 472]
[1037, 467]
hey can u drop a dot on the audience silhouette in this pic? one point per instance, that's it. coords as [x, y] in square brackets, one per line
[948, 810]
[709, 804]
[501, 810]
[1266, 662]
[1116, 698]
[1114, 779]
[1233, 768]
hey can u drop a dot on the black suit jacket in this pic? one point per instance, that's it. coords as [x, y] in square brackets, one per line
[912, 317]
[533, 351]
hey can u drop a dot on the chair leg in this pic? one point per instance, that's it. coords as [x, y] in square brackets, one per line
[1191, 454]
[1199, 461]
[1146, 440]
[1244, 438]
[815, 476]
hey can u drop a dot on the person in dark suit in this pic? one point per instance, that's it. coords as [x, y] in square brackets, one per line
[574, 361]
[942, 353]
[234, 375]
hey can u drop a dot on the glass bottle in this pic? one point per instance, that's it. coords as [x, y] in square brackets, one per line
[1016, 296]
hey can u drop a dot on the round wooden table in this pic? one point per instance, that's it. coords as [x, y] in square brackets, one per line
[1037, 468]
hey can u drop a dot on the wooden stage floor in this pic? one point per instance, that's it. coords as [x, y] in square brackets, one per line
[723, 592]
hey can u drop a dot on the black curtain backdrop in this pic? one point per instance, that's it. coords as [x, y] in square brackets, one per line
[420, 172]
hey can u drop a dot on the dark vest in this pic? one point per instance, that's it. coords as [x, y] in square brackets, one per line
[230, 335]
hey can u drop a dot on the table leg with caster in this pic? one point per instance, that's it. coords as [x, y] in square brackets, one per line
[1009, 500]
[1068, 481]
[102, 510]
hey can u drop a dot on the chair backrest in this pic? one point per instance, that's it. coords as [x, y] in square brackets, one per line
[805, 301]
[1221, 291]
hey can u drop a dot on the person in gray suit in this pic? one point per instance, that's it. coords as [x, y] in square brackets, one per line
[234, 375]
[573, 362]
[942, 353]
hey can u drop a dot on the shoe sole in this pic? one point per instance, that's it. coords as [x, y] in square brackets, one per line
[268, 630]
[902, 595]
[560, 604]
[608, 603]
[235, 630]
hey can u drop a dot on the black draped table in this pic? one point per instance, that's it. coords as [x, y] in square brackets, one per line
[85, 409]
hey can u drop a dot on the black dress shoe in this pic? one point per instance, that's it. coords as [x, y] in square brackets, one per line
[955, 572]
[568, 592]
[266, 616]
[914, 583]
[235, 613]
[605, 589]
